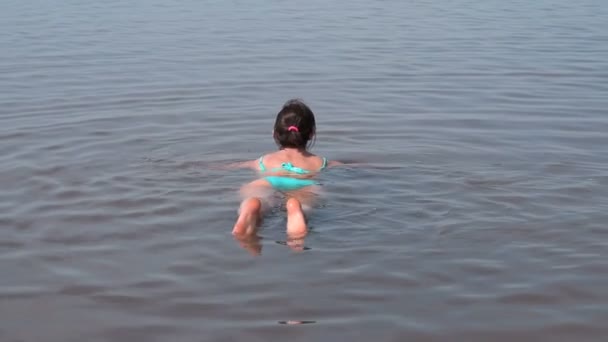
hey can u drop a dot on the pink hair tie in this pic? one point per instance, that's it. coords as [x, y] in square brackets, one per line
[293, 128]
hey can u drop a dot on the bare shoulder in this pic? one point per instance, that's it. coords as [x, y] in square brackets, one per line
[272, 157]
[323, 162]
[316, 162]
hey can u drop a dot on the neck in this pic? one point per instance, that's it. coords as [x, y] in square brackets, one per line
[294, 149]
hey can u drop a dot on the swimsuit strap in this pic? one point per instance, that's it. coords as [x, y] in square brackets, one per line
[261, 164]
[324, 164]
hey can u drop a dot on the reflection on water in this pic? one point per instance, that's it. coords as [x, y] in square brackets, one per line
[478, 211]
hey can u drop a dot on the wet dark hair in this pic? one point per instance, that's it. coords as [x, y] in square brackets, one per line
[295, 125]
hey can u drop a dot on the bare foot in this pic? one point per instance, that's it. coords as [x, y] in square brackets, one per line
[249, 217]
[296, 222]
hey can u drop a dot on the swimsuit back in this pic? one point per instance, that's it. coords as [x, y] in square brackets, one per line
[286, 183]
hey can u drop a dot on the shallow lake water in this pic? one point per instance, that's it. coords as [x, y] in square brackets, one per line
[479, 213]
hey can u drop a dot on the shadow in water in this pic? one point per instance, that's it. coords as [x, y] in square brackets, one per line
[252, 244]
[295, 244]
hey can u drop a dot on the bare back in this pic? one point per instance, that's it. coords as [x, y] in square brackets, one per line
[297, 158]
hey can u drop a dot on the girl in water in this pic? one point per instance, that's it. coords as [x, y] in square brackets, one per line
[291, 170]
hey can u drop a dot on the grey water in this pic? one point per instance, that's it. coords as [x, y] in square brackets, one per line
[478, 212]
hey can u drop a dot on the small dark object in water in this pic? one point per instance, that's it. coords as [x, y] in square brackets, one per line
[296, 322]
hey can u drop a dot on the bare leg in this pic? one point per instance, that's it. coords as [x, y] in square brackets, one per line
[296, 222]
[249, 217]
[307, 197]
[250, 211]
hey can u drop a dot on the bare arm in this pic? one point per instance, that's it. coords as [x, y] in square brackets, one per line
[250, 164]
[334, 163]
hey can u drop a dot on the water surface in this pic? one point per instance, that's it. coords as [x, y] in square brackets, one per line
[481, 214]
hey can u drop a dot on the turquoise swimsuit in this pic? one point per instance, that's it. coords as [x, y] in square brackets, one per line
[286, 183]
